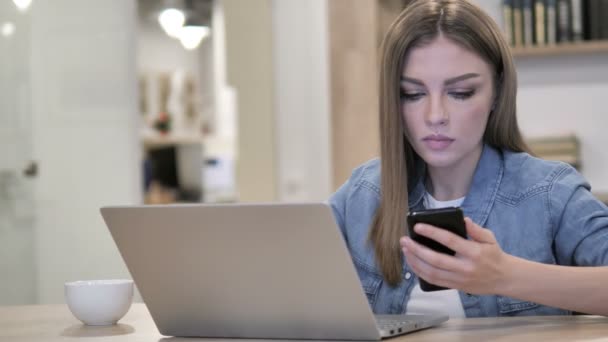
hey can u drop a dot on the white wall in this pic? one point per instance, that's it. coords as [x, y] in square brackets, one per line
[158, 52]
[223, 143]
[85, 119]
[301, 69]
[17, 258]
[565, 94]
[14, 88]
[249, 69]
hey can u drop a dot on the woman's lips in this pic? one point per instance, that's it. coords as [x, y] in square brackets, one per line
[437, 142]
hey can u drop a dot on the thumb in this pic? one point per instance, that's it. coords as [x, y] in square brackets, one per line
[478, 233]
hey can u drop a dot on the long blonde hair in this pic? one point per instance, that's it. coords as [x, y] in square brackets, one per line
[421, 22]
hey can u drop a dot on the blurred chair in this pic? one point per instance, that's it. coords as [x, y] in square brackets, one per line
[565, 148]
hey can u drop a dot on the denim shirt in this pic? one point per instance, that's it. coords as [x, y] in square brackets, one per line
[538, 210]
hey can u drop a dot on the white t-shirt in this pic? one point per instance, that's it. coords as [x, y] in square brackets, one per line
[445, 302]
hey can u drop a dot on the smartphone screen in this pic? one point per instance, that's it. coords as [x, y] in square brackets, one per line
[451, 219]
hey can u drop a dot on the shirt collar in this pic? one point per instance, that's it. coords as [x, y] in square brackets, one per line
[482, 193]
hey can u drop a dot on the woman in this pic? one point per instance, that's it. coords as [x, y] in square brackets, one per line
[449, 137]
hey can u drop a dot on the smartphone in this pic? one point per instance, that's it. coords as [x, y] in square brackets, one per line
[450, 219]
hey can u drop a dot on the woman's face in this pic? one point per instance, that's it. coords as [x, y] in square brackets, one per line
[446, 97]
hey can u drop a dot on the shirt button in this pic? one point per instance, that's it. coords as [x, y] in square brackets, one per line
[408, 275]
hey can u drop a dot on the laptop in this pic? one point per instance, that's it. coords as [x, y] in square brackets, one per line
[276, 271]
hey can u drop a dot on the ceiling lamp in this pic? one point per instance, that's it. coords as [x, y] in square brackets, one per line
[171, 20]
[7, 29]
[192, 33]
[22, 5]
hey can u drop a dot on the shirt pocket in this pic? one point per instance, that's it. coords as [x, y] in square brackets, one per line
[371, 287]
[370, 282]
[515, 307]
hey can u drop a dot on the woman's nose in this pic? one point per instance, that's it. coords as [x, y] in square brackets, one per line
[436, 114]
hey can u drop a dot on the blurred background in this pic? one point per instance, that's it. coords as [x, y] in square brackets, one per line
[170, 101]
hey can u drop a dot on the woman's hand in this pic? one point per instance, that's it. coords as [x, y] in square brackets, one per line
[479, 265]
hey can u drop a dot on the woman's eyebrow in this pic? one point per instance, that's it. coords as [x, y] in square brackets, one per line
[460, 78]
[405, 79]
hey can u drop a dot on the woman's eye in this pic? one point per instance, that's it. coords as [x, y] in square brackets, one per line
[462, 95]
[411, 96]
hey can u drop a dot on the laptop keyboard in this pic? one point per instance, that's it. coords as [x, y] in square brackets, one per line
[392, 323]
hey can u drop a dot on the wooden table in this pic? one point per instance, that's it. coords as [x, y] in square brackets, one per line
[56, 323]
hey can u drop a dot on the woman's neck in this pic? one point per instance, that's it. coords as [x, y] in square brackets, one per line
[454, 181]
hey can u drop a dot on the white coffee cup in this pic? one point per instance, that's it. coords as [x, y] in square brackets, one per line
[99, 302]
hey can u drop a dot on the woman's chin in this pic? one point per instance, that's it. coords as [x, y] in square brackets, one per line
[439, 160]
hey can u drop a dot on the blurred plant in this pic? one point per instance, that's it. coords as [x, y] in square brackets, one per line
[163, 123]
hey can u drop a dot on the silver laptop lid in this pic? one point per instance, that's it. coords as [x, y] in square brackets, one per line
[254, 271]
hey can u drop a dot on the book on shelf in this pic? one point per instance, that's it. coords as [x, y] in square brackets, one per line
[576, 15]
[563, 21]
[554, 145]
[594, 15]
[518, 35]
[548, 22]
[551, 22]
[539, 21]
[507, 17]
[604, 20]
[528, 22]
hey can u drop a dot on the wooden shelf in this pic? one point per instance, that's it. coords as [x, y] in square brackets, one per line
[158, 140]
[578, 48]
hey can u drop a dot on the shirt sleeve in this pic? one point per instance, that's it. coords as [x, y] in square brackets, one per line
[581, 237]
[339, 200]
